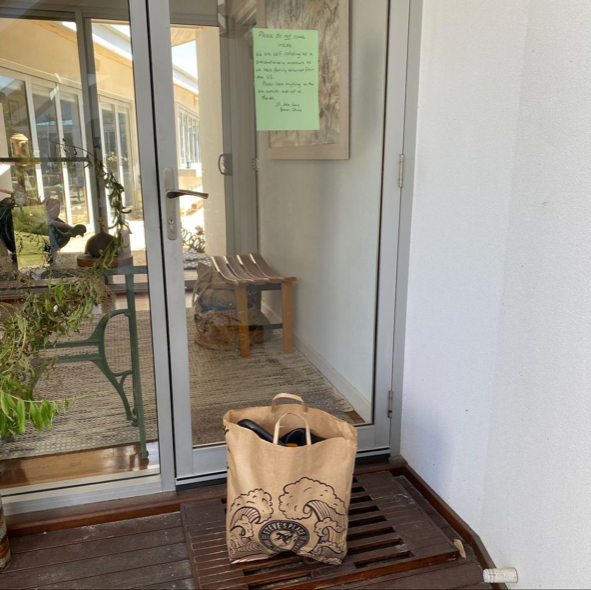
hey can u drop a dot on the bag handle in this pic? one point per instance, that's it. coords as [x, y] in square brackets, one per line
[278, 426]
[297, 398]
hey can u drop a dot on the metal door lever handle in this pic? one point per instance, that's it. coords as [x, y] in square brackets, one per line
[179, 193]
[172, 206]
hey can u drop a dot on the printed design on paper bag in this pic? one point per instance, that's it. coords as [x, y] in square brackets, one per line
[247, 511]
[326, 514]
[283, 535]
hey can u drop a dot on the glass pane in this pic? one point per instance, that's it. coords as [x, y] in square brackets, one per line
[317, 221]
[126, 160]
[15, 137]
[110, 148]
[195, 53]
[46, 226]
[48, 141]
[72, 135]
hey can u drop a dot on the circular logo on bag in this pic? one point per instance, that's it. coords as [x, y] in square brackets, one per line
[283, 535]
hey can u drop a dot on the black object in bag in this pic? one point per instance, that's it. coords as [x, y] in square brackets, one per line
[294, 438]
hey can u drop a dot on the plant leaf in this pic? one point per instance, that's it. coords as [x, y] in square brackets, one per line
[35, 414]
[21, 413]
[4, 403]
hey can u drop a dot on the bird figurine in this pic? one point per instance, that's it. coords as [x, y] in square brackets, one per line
[60, 232]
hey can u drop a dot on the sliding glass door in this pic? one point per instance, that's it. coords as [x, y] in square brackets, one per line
[239, 275]
[85, 335]
[304, 227]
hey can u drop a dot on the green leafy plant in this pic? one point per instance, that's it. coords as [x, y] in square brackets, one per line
[42, 318]
[32, 324]
[115, 192]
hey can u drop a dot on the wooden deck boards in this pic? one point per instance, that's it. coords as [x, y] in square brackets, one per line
[148, 552]
[397, 540]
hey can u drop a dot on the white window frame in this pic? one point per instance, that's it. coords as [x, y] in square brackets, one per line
[118, 104]
[181, 110]
[52, 83]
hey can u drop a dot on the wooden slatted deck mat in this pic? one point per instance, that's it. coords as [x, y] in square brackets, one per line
[389, 533]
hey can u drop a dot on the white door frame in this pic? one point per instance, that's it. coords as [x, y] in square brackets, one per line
[208, 462]
[147, 134]
[405, 217]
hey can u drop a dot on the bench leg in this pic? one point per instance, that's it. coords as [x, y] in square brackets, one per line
[287, 312]
[242, 311]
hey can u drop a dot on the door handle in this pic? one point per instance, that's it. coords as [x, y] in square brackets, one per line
[172, 210]
[181, 192]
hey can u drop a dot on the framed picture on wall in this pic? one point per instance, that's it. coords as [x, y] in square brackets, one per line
[331, 19]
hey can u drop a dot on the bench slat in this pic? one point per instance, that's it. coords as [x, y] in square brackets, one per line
[250, 265]
[242, 273]
[267, 270]
[225, 271]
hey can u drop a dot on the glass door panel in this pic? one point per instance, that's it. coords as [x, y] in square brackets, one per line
[103, 365]
[200, 142]
[197, 88]
[109, 136]
[305, 220]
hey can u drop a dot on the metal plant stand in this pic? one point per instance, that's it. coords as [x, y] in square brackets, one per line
[135, 413]
[117, 379]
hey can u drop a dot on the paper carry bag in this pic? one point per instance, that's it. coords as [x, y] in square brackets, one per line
[284, 498]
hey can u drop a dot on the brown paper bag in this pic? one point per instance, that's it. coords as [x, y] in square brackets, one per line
[283, 498]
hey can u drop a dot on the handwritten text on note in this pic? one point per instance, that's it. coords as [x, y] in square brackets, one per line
[286, 79]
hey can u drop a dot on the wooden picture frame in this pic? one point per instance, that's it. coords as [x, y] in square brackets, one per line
[294, 145]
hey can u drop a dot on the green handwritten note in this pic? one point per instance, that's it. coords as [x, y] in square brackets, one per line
[286, 79]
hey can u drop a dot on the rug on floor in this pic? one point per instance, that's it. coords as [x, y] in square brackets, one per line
[220, 380]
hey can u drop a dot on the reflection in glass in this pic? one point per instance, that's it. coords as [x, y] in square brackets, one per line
[15, 137]
[110, 151]
[72, 135]
[48, 140]
[126, 160]
[41, 105]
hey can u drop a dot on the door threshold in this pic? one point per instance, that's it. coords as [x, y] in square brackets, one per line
[78, 497]
[73, 514]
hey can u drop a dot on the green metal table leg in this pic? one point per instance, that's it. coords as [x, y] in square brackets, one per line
[135, 363]
[99, 358]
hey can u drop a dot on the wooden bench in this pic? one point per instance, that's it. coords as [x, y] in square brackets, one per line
[251, 271]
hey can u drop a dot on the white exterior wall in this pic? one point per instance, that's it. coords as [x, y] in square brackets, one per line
[497, 388]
